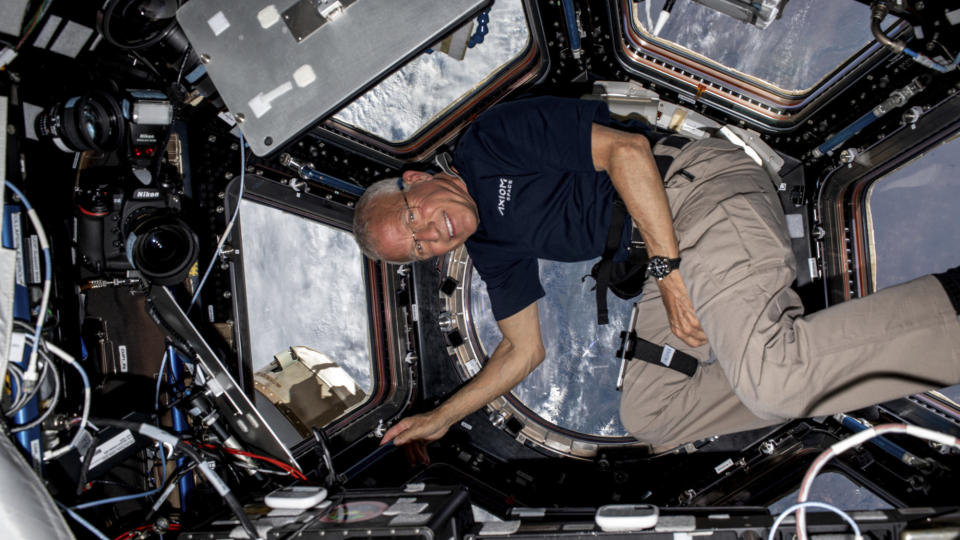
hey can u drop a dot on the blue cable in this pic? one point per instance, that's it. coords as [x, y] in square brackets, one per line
[571, 17]
[243, 169]
[76, 517]
[163, 367]
[121, 498]
[111, 500]
[847, 132]
[926, 61]
[825, 506]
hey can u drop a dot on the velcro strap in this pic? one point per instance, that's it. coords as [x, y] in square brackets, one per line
[666, 356]
[676, 141]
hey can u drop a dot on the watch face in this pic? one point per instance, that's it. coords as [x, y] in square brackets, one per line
[658, 267]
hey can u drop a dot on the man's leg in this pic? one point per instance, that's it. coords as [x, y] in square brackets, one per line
[738, 267]
[660, 405]
[667, 408]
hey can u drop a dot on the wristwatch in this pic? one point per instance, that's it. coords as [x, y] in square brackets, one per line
[659, 267]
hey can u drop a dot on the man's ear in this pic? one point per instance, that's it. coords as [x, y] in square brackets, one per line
[412, 177]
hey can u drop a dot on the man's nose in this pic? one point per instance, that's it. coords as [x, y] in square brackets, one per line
[428, 232]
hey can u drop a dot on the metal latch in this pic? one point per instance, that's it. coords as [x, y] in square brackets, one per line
[307, 16]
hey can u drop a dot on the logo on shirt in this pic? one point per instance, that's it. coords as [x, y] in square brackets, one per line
[503, 195]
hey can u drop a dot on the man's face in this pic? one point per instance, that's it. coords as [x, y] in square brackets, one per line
[441, 216]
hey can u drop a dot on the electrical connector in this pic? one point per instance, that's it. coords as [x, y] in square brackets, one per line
[6, 56]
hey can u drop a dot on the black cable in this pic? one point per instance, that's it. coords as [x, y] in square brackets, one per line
[181, 470]
[85, 465]
[218, 484]
[183, 63]
[319, 516]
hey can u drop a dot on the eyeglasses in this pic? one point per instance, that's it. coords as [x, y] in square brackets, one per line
[411, 218]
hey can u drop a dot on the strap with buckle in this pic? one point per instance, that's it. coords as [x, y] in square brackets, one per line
[633, 346]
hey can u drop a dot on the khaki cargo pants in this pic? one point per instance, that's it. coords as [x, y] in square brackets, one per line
[772, 362]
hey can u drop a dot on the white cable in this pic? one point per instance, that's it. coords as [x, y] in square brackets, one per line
[163, 368]
[649, 18]
[30, 376]
[852, 442]
[226, 232]
[799, 506]
[63, 355]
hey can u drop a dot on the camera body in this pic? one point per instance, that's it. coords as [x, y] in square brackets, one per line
[122, 226]
[128, 199]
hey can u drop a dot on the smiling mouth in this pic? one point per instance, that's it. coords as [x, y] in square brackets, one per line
[446, 219]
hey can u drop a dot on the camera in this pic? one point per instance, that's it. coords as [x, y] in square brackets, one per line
[128, 197]
[123, 227]
[132, 123]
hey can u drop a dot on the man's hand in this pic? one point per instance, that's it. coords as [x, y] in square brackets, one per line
[680, 313]
[520, 351]
[424, 427]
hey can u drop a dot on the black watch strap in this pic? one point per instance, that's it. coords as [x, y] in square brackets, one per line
[660, 267]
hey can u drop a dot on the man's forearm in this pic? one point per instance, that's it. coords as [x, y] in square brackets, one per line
[505, 369]
[634, 175]
[628, 160]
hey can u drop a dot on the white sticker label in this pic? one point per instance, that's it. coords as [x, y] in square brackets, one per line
[84, 442]
[473, 367]
[124, 365]
[666, 357]
[268, 16]
[399, 508]
[215, 387]
[49, 29]
[304, 75]
[723, 466]
[218, 23]
[33, 243]
[260, 103]
[18, 342]
[114, 445]
[693, 128]
[795, 225]
[227, 117]
[17, 244]
[953, 17]
[812, 268]
[35, 451]
[409, 519]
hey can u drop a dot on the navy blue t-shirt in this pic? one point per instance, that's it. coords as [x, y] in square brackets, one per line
[529, 167]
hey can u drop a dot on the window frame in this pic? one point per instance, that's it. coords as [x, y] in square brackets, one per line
[699, 79]
[389, 381]
[524, 70]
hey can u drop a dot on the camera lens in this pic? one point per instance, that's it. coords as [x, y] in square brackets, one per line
[92, 121]
[162, 248]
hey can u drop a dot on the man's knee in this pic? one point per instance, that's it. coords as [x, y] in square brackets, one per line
[643, 425]
[652, 422]
[771, 401]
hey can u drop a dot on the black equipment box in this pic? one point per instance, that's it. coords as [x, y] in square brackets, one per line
[722, 523]
[416, 511]
[430, 512]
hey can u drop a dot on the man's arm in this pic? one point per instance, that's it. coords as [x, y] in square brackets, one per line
[518, 354]
[627, 158]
